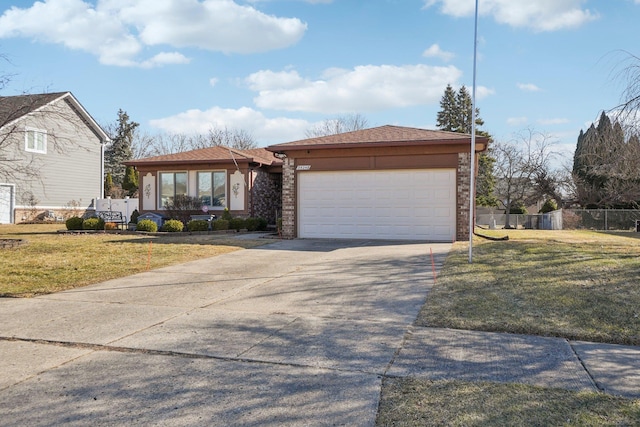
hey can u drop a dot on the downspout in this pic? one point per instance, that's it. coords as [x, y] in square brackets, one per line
[101, 192]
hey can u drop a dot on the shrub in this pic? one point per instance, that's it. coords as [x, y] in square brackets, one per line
[110, 226]
[226, 215]
[181, 207]
[198, 225]
[147, 225]
[173, 226]
[220, 224]
[549, 206]
[134, 216]
[256, 224]
[93, 224]
[74, 223]
[518, 208]
[237, 224]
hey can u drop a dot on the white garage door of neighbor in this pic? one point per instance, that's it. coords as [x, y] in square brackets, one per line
[404, 205]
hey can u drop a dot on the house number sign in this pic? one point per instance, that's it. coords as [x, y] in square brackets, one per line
[303, 167]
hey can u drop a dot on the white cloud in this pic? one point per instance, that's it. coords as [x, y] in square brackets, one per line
[517, 121]
[434, 51]
[213, 81]
[557, 121]
[118, 30]
[265, 130]
[165, 58]
[539, 15]
[364, 88]
[528, 87]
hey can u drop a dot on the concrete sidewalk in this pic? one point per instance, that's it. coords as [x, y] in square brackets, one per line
[292, 333]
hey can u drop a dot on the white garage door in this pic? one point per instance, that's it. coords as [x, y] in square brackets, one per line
[405, 205]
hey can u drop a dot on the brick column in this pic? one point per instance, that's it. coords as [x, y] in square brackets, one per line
[288, 199]
[462, 214]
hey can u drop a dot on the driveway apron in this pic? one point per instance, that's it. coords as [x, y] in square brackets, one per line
[291, 333]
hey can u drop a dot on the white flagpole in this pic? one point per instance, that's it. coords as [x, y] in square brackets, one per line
[472, 187]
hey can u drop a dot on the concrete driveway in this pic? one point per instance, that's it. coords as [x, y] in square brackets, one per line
[292, 333]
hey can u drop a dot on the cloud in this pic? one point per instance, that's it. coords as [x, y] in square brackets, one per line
[517, 121]
[361, 89]
[539, 15]
[117, 31]
[528, 87]
[557, 121]
[265, 130]
[434, 51]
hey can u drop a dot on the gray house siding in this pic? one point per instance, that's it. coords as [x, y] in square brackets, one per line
[69, 174]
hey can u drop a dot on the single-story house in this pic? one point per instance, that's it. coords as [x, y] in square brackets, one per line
[246, 182]
[387, 182]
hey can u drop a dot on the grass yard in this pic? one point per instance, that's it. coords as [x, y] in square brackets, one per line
[574, 284]
[579, 285]
[421, 403]
[52, 261]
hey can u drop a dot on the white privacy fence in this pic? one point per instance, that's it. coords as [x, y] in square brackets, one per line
[124, 206]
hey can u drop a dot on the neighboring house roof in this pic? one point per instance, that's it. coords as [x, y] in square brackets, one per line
[380, 136]
[217, 154]
[14, 108]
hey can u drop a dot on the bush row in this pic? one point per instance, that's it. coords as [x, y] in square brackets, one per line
[172, 225]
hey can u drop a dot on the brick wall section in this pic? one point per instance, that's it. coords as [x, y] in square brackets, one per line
[288, 199]
[462, 215]
[266, 195]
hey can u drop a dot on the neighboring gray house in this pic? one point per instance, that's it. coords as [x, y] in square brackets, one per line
[51, 157]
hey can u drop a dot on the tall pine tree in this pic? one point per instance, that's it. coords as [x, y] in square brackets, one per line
[605, 166]
[448, 116]
[456, 115]
[120, 148]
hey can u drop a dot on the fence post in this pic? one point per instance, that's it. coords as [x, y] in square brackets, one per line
[606, 220]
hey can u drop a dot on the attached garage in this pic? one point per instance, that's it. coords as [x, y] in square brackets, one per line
[388, 182]
[386, 204]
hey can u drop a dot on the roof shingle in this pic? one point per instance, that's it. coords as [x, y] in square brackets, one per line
[383, 135]
[14, 107]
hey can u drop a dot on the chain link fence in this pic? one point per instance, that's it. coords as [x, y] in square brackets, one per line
[566, 219]
[601, 219]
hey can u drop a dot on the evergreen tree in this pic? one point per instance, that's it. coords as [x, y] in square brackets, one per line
[448, 116]
[108, 185]
[605, 166]
[130, 181]
[455, 116]
[120, 148]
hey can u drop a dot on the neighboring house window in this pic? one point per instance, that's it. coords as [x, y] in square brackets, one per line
[35, 141]
[212, 188]
[172, 184]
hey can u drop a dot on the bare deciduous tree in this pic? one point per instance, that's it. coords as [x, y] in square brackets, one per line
[145, 145]
[338, 125]
[522, 170]
[16, 164]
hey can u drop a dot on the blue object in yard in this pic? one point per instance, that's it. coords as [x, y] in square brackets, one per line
[157, 218]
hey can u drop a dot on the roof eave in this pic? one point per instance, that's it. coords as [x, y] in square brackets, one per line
[281, 148]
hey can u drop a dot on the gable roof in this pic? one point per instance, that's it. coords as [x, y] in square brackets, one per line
[14, 108]
[387, 135]
[217, 154]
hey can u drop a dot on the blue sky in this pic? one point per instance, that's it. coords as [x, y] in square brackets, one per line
[275, 68]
